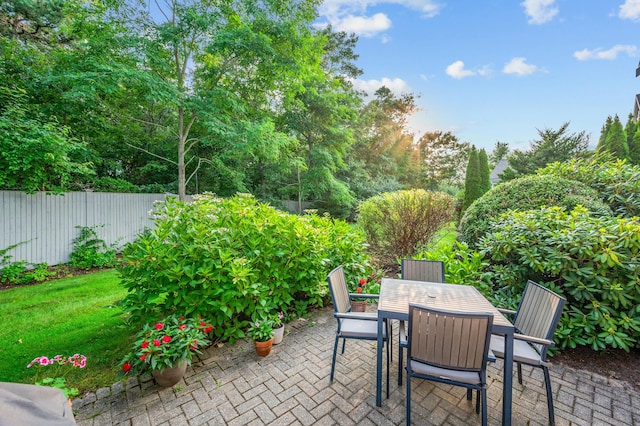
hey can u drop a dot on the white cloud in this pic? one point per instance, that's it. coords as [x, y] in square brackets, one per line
[364, 26]
[630, 9]
[457, 71]
[397, 85]
[539, 11]
[485, 71]
[519, 67]
[586, 54]
[351, 16]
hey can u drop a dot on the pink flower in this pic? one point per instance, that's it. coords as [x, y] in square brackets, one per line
[43, 360]
[156, 342]
[182, 327]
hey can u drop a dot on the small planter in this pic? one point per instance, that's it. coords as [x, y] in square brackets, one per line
[358, 305]
[278, 335]
[263, 348]
[170, 376]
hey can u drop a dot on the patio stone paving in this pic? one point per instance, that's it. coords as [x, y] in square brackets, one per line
[231, 385]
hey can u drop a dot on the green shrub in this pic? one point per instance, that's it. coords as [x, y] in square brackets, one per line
[398, 224]
[593, 261]
[530, 192]
[89, 251]
[109, 184]
[617, 182]
[233, 259]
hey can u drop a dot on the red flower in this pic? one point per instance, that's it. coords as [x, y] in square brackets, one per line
[126, 366]
[156, 342]
[359, 290]
[181, 317]
[159, 326]
[208, 329]
[182, 327]
[166, 339]
[143, 357]
[363, 281]
[145, 345]
[194, 345]
[202, 323]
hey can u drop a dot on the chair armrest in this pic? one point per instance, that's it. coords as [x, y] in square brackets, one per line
[535, 340]
[367, 316]
[506, 311]
[363, 296]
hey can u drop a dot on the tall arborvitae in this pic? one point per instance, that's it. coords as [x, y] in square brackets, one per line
[630, 128]
[485, 172]
[472, 184]
[616, 141]
[634, 149]
[602, 147]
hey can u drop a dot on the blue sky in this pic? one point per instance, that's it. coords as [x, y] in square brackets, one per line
[497, 70]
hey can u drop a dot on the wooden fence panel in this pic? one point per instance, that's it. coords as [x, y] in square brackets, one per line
[46, 225]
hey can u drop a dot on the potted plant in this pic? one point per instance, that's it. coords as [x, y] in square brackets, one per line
[261, 331]
[278, 328]
[359, 304]
[166, 348]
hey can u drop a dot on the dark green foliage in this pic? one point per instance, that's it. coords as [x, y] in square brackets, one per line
[472, 180]
[592, 261]
[617, 182]
[20, 272]
[602, 145]
[616, 140]
[634, 148]
[108, 184]
[485, 172]
[530, 192]
[630, 130]
[397, 224]
[235, 258]
[553, 145]
[89, 251]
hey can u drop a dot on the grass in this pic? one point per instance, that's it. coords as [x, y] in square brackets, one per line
[67, 316]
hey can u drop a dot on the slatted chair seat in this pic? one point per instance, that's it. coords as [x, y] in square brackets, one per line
[353, 325]
[449, 347]
[416, 270]
[535, 322]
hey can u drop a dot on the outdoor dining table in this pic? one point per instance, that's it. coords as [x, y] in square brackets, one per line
[395, 296]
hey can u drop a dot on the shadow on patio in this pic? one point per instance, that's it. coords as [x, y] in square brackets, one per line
[232, 385]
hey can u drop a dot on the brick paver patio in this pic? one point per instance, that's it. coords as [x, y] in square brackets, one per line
[231, 385]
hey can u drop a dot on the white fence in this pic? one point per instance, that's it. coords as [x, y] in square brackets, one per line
[46, 225]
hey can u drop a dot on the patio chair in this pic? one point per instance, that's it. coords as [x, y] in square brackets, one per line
[416, 270]
[449, 347]
[423, 270]
[535, 322]
[353, 325]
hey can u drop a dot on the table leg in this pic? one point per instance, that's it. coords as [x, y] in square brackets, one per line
[379, 363]
[507, 389]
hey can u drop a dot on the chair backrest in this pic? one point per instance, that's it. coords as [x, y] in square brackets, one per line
[423, 270]
[539, 312]
[449, 339]
[339, 290]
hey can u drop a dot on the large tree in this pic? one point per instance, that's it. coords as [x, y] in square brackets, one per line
[553, 145]
[443, 159]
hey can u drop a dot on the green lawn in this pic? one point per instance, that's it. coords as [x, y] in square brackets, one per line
[68, 316]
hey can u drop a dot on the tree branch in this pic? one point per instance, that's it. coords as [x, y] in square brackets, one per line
[151, 153]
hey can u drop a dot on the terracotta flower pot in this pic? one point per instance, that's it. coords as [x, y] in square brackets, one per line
[263, 348]
[170, 376]
[278, 335]
[358, 306]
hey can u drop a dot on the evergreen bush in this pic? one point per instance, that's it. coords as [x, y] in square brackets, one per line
[526, 193]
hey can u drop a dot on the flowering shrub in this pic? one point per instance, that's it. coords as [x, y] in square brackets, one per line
[166, 344]
[261, 330]
[60, 366]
